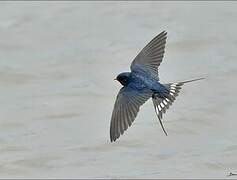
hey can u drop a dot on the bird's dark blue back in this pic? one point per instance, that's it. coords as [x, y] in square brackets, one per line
[140, 78]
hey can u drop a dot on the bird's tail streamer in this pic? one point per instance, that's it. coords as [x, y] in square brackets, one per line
[162, 104]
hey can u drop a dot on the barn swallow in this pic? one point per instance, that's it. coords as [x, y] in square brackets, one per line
[141, 84]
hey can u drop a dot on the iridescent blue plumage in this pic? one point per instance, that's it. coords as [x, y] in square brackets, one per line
[141, 84]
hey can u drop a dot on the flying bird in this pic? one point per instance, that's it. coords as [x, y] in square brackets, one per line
[141, 84]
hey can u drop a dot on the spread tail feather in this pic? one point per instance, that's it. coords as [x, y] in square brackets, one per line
[192, 80]
[162, 103]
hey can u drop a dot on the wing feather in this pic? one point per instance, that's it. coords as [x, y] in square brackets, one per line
[151, 56]
[126, 108]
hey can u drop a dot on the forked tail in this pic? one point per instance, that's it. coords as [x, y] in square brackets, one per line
[163, 102]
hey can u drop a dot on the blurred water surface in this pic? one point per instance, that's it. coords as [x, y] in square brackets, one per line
[57, 65]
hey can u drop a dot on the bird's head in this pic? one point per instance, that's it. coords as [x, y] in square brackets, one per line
[123, 78]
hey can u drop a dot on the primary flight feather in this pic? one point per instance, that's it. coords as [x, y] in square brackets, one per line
[141, 84]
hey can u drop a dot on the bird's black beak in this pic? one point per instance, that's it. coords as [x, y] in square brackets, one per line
[115, 79]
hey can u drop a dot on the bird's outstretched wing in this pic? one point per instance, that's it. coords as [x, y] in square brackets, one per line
[126, 108]
[151, 56]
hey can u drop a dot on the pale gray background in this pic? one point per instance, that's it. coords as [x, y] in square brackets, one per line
[57, 65]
